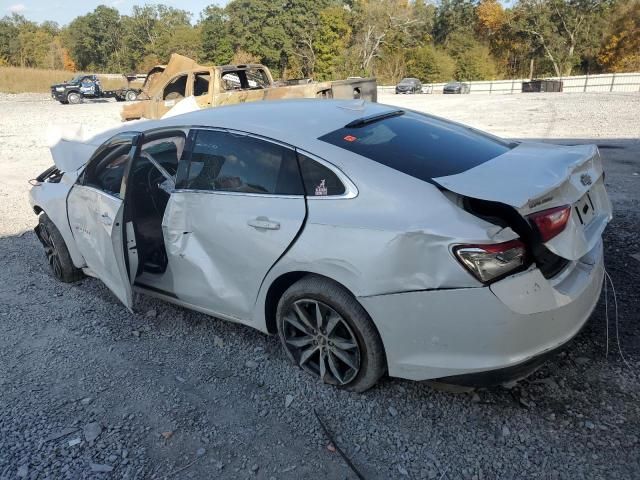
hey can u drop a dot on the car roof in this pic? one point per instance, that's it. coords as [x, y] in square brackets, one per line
[296, 122]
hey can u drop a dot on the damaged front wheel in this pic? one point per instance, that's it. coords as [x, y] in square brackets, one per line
[56, 250]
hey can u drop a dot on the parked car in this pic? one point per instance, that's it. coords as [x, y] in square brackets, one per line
[83, 87]
[456, 87]
[371, 239]
[409, 85]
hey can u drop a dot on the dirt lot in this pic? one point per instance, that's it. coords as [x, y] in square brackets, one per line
[88, 390]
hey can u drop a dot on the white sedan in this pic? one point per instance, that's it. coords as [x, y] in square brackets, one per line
[372, 240]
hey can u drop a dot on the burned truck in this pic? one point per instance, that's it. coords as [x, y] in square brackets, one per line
[214, 86]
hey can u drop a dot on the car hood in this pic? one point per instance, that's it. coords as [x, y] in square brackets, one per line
[72, 145]
[64, 84]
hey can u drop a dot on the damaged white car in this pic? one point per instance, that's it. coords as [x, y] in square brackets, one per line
[370, 239]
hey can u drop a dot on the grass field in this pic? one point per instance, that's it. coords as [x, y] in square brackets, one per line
[19, 80]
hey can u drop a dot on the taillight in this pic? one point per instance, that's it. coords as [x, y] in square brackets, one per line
[551, 222]
[492, 261]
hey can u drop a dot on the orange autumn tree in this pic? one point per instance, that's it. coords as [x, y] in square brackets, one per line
[621, 50]
[67, 62]
[491, 17]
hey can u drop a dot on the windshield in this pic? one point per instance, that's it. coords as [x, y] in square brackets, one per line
[406, 81]
[76, 79]
[419, 145]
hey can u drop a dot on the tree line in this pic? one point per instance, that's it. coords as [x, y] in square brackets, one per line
[327, 39]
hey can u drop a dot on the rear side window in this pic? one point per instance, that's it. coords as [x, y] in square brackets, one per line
[319, 181]
[419, 145]
[227, 162]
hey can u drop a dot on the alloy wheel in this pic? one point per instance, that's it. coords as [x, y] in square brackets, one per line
[320, 340]
[51, 252]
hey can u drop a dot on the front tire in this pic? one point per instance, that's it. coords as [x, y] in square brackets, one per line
[130, 96]
[57, 252]
[74, 98]
[326, 332]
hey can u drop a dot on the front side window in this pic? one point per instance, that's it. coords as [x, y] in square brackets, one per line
[165, 151]
[105, 172]
[176, 89]
[228, 162]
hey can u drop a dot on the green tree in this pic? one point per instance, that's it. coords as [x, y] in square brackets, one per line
[148, 30]
[95, 40]
[183, 39]
[256, 27]
[453, 16]
[216, 43]
[330, 42]
[431, 64]
[563, 29]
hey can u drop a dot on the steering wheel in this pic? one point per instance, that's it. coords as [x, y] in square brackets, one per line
[154, 179]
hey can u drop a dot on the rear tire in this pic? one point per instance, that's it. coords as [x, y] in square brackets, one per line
[325, 331]
[130, 96]
[74, 98]
[57, 252]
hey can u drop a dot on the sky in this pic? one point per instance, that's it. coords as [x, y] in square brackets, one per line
[63, 11]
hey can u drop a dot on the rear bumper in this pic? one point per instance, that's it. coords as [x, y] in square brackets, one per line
[450, 333]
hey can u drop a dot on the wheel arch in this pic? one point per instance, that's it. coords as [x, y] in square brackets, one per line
[53, 204]
[280, 284]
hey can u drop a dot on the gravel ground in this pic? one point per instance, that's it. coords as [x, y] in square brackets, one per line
[89, 390]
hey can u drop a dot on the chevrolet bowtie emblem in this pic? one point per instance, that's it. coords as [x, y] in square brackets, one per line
[585, 179]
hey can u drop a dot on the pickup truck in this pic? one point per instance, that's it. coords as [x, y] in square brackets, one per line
[213, 86]
[88, 86]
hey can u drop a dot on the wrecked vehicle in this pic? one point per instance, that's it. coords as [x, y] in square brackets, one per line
[214, 86]
[370, 239]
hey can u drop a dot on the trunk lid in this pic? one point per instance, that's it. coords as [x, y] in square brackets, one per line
[535, 176]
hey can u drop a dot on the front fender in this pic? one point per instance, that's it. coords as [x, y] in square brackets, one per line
[51, 198]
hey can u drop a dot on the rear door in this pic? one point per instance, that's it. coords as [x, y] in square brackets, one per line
[238, 205]
[95, 210]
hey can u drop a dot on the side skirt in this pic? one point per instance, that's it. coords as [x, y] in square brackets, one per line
[171, 298]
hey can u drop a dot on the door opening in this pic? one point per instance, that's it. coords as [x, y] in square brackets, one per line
[151, 181]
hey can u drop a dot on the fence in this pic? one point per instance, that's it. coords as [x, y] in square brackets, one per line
[608, 82]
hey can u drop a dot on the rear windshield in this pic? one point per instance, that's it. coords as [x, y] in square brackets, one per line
[419, 145]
